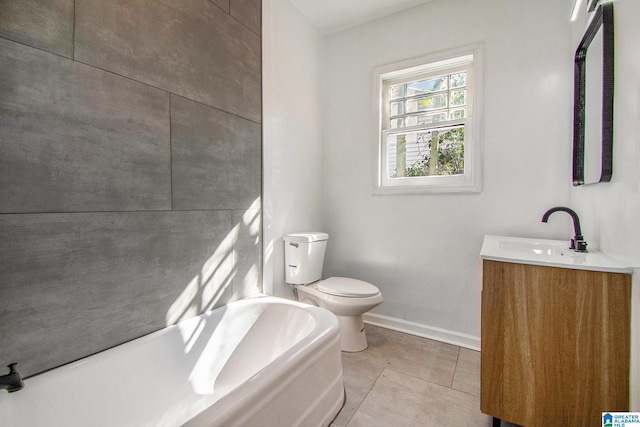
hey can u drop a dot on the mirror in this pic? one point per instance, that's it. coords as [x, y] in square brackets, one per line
[593, 101]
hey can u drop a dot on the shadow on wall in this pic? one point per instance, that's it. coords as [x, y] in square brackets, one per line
[206, 289]
[78, 284]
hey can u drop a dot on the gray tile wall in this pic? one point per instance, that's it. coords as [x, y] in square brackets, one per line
[46, 25]
[130, 175]
[187, 47]
[247, 12]
[216, 157]
[77, 138]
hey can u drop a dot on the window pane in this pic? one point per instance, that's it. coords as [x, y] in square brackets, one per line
[426, 103]
[451, 152]
[458, 97]
[397, 123]
[427, 86]
[397, 108]
[427, 118]
[458, 79]
[402, 149]
[458, 113]
[418, 119]
[392, 154]
[426, 153]
[396, 92]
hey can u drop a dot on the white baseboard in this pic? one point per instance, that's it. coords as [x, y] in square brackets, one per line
[424, 331]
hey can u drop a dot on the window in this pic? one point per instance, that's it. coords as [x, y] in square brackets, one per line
[427, 107]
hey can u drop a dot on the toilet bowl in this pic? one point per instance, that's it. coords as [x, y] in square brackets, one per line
[347, 298]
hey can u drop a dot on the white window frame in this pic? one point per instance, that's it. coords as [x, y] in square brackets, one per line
[434, 64]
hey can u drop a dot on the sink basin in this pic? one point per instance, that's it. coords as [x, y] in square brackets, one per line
[536, 248]
[551, 253]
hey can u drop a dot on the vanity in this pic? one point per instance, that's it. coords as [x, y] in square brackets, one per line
[556, 328]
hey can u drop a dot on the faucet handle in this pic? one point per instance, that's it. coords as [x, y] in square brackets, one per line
[580, 245]
[12, 381]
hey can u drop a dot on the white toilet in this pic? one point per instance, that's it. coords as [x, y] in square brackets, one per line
[347, 298]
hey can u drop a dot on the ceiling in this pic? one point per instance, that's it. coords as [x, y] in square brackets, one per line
[331, 16]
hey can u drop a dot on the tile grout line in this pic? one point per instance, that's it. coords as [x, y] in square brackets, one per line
[381, 361]
[365, 397]
[453, 377]
[430, 381]
[73, 36]
[170, 156]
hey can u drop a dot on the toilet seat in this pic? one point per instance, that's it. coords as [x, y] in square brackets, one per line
[346, 287]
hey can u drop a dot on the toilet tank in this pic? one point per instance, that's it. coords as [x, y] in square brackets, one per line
[304, 257]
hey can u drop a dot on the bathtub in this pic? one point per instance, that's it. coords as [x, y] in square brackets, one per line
[261, 361]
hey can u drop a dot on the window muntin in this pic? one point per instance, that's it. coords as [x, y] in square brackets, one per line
[426, 125]
[426, 101]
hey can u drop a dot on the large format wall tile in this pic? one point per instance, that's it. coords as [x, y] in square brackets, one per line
[75, 138]
[190, 47]
[216, 157]
[249, 12]
[75, 284]
[46, 25]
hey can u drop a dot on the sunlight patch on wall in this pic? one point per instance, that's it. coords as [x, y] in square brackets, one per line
[252, 219]
[251, 279]
[206, 289]
[209, 285]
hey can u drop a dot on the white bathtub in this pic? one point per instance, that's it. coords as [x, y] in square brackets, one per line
[261, 361]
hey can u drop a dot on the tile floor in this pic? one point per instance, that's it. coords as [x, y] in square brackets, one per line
[404, 380]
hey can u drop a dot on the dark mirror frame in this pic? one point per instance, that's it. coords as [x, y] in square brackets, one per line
[603, 18]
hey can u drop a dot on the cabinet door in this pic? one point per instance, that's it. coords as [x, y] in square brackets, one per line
[555, 344]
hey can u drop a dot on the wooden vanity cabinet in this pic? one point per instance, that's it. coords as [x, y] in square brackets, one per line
[555, 344]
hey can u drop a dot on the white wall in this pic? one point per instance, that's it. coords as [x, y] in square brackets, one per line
[292, 140]
[610, 212]
[422, 250]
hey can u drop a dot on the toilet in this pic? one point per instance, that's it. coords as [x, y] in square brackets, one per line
[347, 298]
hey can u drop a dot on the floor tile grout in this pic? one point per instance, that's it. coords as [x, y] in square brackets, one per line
[453, 377]
[365, 396]
[401, 361]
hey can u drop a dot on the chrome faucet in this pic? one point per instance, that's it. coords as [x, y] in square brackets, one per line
[577, 243]
[12, 381]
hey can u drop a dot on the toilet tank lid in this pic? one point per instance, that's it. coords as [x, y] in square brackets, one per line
[308, 237]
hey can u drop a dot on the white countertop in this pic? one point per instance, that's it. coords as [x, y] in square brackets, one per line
[549, 253]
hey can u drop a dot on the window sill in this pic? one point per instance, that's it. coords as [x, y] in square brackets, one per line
[426, 189]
